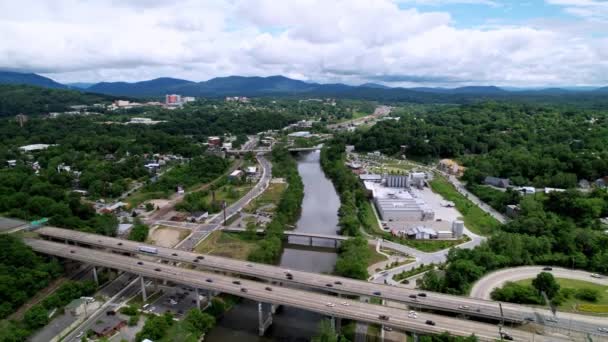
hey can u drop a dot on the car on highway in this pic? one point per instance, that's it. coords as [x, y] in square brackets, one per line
[345, 304]
[329, 285]
[506, 336]
[209, 280]
[388, 328]
[552, 319]
[268, 288]
[249, 265]
[200, 257]
[157, 269]
[338, 282]
[603, 330]
[80, 334]
[72, 251]
[595, 275]
[244, 290]
[140, 263]
[174, 254]
[331, 305]
[422, 294]
[413, 296]
[377, 293]
[384, 317]
[236, 282]
[429, 322]
[463, 307]
[547, 268]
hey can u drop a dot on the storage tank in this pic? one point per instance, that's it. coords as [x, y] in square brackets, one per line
[457, 228]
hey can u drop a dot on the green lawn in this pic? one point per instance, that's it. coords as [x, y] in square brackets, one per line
[178, 332]
[475, 219]
[139, 197]
[371, 220]
[573, 304]
[229, 193]
[272, 195]
[430, 246]
[230, 245]
[376, 257]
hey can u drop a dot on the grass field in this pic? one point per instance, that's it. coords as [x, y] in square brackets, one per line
[574, 304]
[430, 246]
[475, 219]
[376, 257]
[272, 195]
[229, 193]
[371, 219]
[139, 197]
[230, 245]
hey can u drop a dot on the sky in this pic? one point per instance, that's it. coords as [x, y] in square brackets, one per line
[407, 43]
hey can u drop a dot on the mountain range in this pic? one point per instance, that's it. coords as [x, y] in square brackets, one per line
[282, 86]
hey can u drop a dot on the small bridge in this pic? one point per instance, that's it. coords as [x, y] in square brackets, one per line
[310, 236]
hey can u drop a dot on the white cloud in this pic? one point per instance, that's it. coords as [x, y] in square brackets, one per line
[589, 9]
[328, 41]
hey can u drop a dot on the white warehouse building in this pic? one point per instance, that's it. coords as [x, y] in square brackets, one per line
[398, 205]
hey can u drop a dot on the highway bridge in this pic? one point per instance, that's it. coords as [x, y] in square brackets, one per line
[265, 293]
[436, 301]
[265, 150]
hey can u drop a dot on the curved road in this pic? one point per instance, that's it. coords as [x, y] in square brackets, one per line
[484, 286]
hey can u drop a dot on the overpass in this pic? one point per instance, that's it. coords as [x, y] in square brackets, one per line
[481, 308]
[264, 293]
[265, 150]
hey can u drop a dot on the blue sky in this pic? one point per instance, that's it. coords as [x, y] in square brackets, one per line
[396, 42]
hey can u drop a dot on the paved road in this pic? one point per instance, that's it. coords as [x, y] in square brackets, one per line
[311, 301]
[378, 112]
[216, 221]
[437, 301]
[484, 286]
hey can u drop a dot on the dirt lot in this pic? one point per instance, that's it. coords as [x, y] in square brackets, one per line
[167, 236]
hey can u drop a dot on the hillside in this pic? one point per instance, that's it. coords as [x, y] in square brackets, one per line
[16, 99]
[9, 77]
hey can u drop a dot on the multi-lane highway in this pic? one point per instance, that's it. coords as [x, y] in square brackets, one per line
[263, 292]
[437, 301]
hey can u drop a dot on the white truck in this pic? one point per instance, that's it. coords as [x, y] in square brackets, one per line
[147, 249]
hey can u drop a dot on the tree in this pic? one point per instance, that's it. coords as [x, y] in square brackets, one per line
[36, 317]
[545, 282]
[327, 332]
[199, 322]
[139, 232]
[251, 231]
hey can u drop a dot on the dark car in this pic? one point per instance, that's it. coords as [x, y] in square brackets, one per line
[547, 268]
[209, 280]
[338, 282]
[200, 257]
[120, 244]
[111, 313]
[174, 254]
[383, 317]
[72, 251]
[236, 282]
[268, 288]
[140, 262]
[413, 296]
[429, 322]
[329, 285]
[157, 269]
[377, 293]
[195, 260]
[422, 295]
[244, 290]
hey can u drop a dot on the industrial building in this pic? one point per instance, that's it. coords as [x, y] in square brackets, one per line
[430, 230]
[398, 205]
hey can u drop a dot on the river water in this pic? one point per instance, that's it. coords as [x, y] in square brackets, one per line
[319, 215]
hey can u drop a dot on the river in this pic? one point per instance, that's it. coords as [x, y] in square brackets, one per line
[319, 215]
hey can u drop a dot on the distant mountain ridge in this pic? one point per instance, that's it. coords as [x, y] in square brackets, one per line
[11, 77]
[284, 86]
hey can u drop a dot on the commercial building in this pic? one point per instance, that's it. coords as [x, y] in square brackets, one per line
[173, 99]
[398, 205]
[107, 326]
[300, 134]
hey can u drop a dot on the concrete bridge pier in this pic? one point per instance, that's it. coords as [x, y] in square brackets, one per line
[198, 299]
[310, 241]
[144, 296]
[95, 275]
[336, 323]
[264, 321]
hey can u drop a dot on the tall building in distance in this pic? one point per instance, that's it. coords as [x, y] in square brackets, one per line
[173, 99]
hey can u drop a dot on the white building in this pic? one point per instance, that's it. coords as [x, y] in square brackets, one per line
[35, 147]
[398, 205]
[252, 170]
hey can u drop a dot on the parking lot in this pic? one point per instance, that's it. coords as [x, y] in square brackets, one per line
[177, 300]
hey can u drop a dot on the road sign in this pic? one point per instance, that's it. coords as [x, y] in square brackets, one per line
[39, 222]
